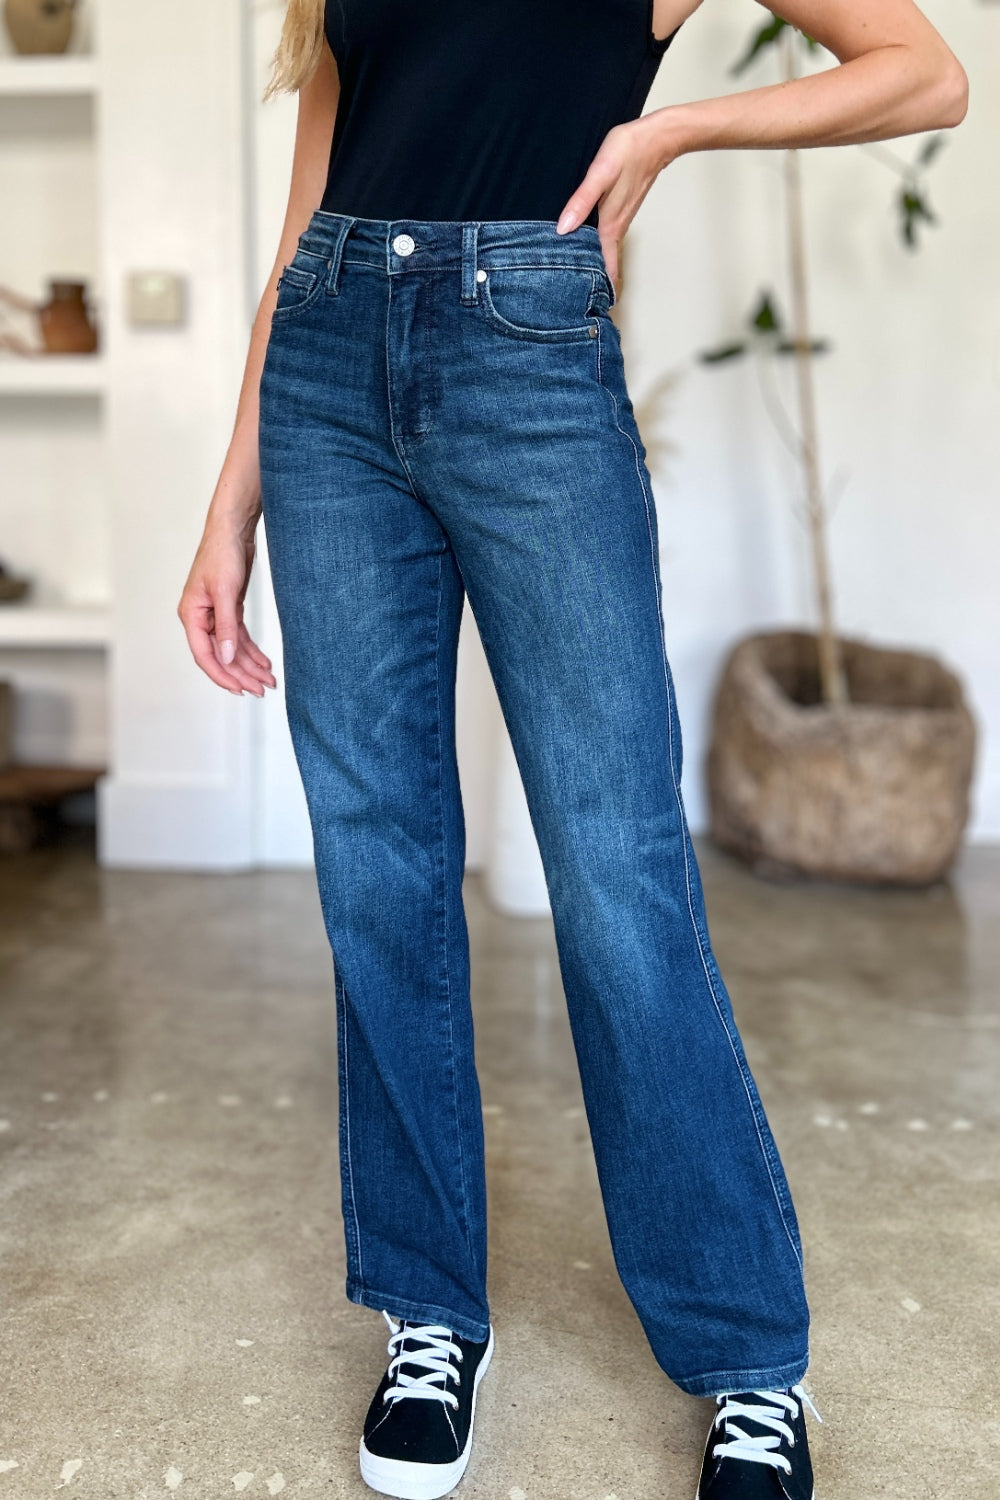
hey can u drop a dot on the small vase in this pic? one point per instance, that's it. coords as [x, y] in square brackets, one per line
[65, 320]
[39, 26]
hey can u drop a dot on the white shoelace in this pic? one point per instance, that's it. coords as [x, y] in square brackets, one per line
[435, 1358]
[770, 1409]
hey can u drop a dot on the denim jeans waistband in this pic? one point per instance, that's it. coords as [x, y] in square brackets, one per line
[401, 247]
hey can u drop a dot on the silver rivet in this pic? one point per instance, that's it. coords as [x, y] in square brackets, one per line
[480, 275]
[593, 333]
[403, 244]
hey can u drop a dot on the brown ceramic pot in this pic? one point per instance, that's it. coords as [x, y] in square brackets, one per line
[38, 26]
[65, 319]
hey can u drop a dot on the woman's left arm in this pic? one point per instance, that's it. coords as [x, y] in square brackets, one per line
[896, 75]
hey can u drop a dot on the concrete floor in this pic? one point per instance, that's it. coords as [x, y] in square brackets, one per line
[171, 1272]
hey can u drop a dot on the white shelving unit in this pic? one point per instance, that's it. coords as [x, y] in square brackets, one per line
[47, 75]
[53, 501]
[52, 375]
[63, 627]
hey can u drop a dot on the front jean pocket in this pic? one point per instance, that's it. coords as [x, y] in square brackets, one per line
[298, 287]
[545, 304]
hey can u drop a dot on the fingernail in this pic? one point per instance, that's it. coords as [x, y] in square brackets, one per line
[227, 650]
[566, 222]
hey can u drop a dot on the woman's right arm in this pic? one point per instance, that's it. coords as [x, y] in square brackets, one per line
[211, 606]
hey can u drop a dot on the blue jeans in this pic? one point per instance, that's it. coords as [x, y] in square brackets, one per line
[443, 411]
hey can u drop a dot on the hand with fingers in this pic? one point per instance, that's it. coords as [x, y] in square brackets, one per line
[211, 609]
[630, 159]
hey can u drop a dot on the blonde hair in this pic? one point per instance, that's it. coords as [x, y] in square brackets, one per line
[300, 47]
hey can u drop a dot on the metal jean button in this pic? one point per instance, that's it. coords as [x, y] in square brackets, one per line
[403, 244]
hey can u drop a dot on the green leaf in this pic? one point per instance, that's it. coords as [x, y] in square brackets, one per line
[763, 38]
[915, 206]
[766, 36]
[766, 319]
[913, 210]
[931, 147]
[724, 352]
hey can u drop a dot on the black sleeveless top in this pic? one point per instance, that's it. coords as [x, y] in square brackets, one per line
[480, 109]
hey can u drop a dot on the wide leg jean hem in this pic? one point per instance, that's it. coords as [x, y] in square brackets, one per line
[728, 1382]
[416, 1312]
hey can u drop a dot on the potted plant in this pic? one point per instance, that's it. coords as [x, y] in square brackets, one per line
[829, 756]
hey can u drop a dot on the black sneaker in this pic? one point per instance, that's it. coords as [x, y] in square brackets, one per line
[418, 1431]
[757, 1448]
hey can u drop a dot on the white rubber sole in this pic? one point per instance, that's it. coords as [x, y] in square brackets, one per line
[391, 1476]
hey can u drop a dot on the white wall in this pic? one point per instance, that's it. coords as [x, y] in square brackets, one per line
[172, 199]
[910, 397]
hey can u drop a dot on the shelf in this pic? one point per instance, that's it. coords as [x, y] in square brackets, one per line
[83, 626]
[52, 375]
[47, 75]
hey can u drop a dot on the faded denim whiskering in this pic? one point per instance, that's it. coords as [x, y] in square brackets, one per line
[444, 412]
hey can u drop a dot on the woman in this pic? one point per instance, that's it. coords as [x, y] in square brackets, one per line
[434, 404]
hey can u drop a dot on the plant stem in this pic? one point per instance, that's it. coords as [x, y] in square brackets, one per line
[833, 681]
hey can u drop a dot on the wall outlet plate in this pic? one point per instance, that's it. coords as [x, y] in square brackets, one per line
[156, 299]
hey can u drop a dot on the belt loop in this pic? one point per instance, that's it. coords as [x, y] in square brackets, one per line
[344, 226]
[470, 249]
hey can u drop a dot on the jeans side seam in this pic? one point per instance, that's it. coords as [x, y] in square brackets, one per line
[347, 1140]
[687, 869]
[765, 1154]
[443, 888]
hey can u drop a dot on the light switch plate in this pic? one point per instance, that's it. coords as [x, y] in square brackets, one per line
[156, 298]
